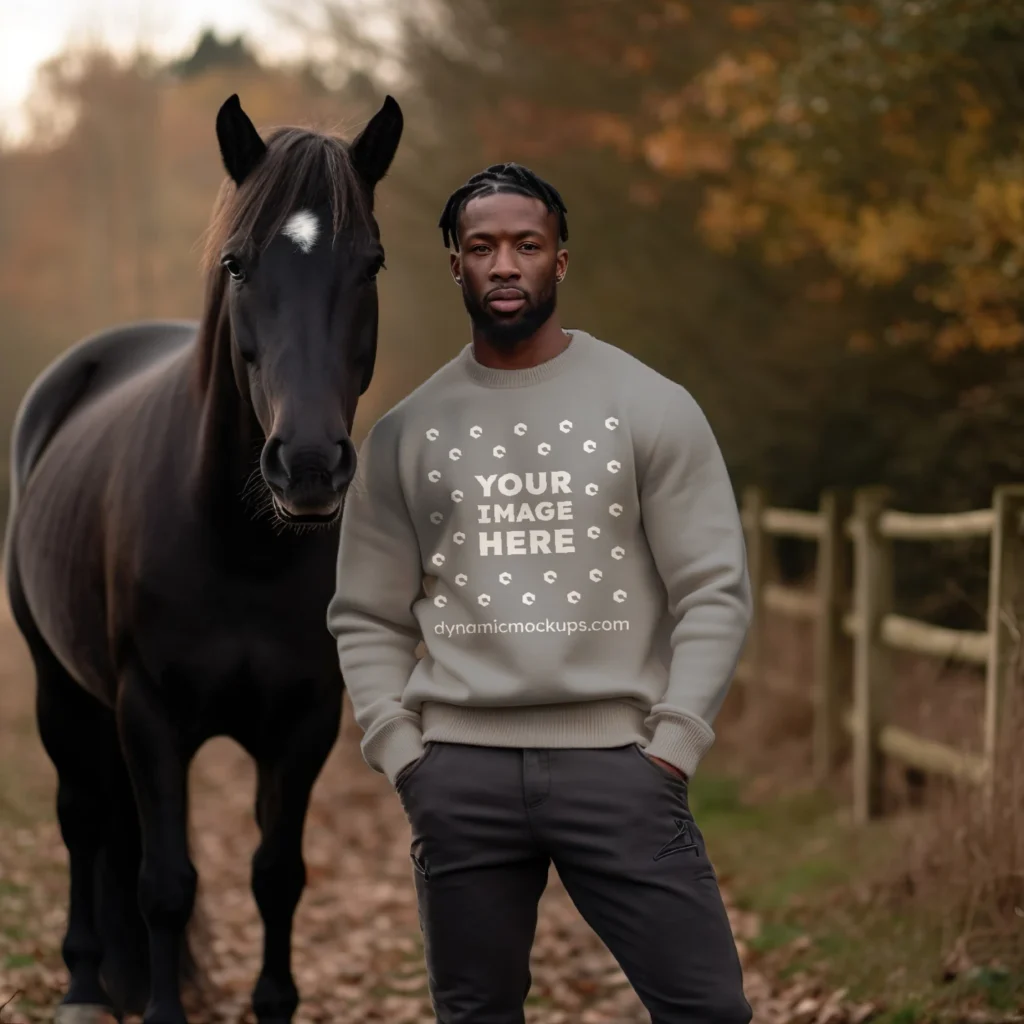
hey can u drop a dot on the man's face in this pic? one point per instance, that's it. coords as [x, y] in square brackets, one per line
[508, 265]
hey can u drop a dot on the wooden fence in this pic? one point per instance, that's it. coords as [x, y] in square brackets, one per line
[851, 607]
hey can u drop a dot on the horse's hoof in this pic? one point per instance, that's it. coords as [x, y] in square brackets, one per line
[84, 1013]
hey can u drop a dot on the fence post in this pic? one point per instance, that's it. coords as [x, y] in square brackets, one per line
[754, 504]
[832, 648]
[873, 582]
[1005, 607]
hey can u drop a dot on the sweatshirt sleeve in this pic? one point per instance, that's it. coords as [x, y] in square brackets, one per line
[693, 527]
[379, 578]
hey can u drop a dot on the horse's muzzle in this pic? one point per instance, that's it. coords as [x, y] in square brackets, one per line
[308, 484]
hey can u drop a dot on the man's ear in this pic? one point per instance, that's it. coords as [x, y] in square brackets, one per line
[241, 147]
[374, 148]
[561, 265]
[456, 267]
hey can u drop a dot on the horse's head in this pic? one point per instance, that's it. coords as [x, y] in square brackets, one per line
[300, 250]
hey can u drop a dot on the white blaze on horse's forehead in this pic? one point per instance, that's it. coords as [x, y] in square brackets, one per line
[302, 228]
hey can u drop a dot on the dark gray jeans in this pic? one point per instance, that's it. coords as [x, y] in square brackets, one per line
[486, 824]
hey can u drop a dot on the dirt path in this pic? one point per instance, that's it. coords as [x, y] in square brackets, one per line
[357, 952]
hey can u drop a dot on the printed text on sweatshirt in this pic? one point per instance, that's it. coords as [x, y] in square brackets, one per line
[564, 540]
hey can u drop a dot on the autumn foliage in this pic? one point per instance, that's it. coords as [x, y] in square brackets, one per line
[883, 137]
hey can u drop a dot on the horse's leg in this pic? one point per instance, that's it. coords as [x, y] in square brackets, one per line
[80, 737]
[158, 761]
[285, 781]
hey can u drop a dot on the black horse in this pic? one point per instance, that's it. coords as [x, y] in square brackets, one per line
[171, 550]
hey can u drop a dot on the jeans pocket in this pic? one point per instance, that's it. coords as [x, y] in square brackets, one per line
[418, 861]
[662, 773]
[407, 772]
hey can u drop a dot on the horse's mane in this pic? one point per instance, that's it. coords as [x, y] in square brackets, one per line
[301, 168]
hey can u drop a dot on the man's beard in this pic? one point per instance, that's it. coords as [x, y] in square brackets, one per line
[507, 333]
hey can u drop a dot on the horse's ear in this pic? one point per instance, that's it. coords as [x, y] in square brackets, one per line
[240, 144]
[374, 148]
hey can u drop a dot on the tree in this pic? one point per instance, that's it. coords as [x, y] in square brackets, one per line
[210, 53]
[885, 137]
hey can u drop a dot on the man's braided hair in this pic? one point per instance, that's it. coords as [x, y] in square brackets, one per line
[509, 177]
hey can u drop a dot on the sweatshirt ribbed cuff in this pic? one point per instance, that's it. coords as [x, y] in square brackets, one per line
[681, 741]
[394, 745]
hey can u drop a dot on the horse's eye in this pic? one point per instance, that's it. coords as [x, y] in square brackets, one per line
[233, 267]
[375, 268]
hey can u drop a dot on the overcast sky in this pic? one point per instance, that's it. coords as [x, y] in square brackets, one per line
[31, 31]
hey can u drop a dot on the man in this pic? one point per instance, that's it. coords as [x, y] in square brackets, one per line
[554, 520]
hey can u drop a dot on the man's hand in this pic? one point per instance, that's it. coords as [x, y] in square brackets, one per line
[669, 767]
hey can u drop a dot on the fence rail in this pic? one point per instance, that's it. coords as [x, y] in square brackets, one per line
[856, 628]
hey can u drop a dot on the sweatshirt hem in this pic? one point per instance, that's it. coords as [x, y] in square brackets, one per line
[599, 723]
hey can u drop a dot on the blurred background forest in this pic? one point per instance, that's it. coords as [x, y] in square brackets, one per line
[810, 214]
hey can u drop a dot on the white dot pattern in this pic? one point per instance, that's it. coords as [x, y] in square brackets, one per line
[544, 448]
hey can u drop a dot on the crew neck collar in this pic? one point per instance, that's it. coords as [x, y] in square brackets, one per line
[491, 377]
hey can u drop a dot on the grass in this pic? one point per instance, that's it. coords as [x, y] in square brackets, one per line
[18, 960]
[798, 863]
[909, 1013]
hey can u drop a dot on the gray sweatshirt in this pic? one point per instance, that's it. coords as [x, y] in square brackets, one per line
[565, 542]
